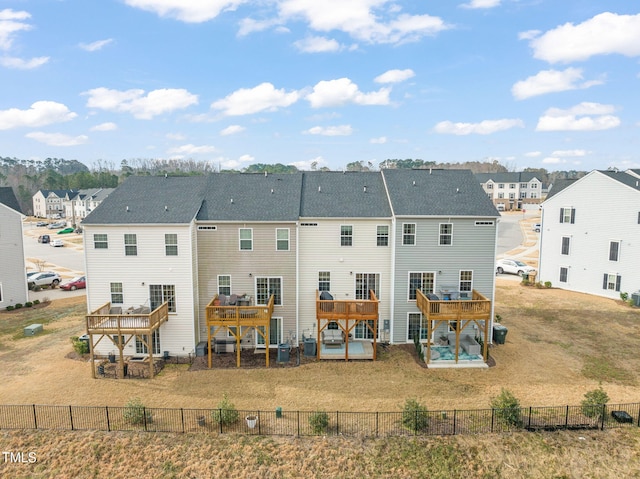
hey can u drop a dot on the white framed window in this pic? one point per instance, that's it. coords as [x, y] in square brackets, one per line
[161, 293]
[501, 186]
[282, 239]
[365, 329]
[523, 194]
[267, 286]
[568, 215]
[500, 196]
[408, 234]
[416, 327]
[275, 334]
[346, 235]
[466, 282]
[566, 244]
[130, 245]
[564, 274]
[523, 186]
[612, 282]
[246, 239]
[489, 186]
[100, 241]
[324, 281]
[614, 250]
[224, 284]
[423, 281]
[117, 296]
[171, 244]
[446, 234]
[512, 196]
[382, 235]
[142, 348]
[512, 186]
[366, 282]
[534, 195]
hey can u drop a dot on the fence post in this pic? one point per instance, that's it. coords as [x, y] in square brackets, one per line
[492, 418]
[259, 425]
[182, 418]
[71, 417]
[604, 407]
[220, 421]
[144, 417]
[35, 418]
[529, 422]
[455, 420]
[298, 423]
[566, 418]
[108, 423]
[337, 422]
[377, 431]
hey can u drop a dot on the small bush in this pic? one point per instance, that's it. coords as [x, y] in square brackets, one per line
[414, 415]
[319, 422]
[80, 347]
[498, 318]
[507, 407]
[539, 285]
[547, 284]
[28, 304]
[226, 413]
[36, 301]
[10, 308]
[18, 305]
[525, 282]
[416, 343]
[593, 402]
[135, 413]
[624, 296]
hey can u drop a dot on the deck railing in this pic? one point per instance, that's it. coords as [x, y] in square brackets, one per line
[101, 321]
[347, 309]
[478, 307]
[238, 315]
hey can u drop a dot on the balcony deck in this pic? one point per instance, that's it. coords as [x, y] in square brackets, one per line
[347, 314]
[132, 323]
[464, 313]
[238, 321]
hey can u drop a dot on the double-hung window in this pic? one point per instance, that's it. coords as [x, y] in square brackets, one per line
[346, 235]
[171, 244]
[564, 273]
[324, 281]
[246, 239]
[408, 234]
[382, 235]
[161, 293]
[100, 241]
[282, 239]
[117, 297]
[224, 284]
[130, 245]
[566, 242]
[611, 282]
[466, 283]
[446, 234]
[422, 281]
[265, 287]
[614, 250]
[567, 215]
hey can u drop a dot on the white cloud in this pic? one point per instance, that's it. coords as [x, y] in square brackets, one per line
[485, 127]
[343, 91]
[247, 101]
[249, 25]
[20, 64]
[230, 164]
[565, 153]
[340, 130]
[550, 160]
[481, 4]
[141, 106]
[307, 165]
[57, 139]
[394, 76]
[175, 136]
[190, 11]
[317, 45]
[379, 141]
[371, 21]
[603, 34]
[95, 46]
[549, 81]
[40, 113]
[582, 117]
[232, 130]
[529, 34]
[533, 154]
[191, 149]
[109, 126]
[11, 23]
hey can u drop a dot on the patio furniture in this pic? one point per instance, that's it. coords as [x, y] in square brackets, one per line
[332, 337]
[470, 345]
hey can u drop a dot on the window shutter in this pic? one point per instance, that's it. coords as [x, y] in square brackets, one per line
[573, 215]
[618, 281]
[604, 283]
[561, 215]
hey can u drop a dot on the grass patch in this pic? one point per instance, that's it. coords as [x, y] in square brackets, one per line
[13, 324]
[603, 368]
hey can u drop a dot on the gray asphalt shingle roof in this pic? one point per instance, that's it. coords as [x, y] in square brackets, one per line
[624, 178]
[437, 193]
[507, 177]
[332, 194]
[8, 198]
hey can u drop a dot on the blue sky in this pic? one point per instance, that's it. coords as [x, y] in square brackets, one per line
[529, 83]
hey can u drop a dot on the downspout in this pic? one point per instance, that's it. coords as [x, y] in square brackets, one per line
[298, 286]
[392, 281]
[493, 294]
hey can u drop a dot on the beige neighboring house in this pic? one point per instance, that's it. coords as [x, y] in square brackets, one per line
[13, 282]
[50, 203]
[78, 204]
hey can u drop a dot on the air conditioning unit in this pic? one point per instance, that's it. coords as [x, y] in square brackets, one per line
[636, 298]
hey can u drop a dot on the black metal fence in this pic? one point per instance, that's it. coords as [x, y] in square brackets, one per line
[310, 423]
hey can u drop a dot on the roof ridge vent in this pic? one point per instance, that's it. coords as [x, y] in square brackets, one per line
[127, 208]
[271, 190]
[166, 208]
[265, 174]
[231, 200]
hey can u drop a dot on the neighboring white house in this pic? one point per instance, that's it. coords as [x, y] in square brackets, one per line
[512, 190]
[590, 232]
[78, 204]
[13, 282]
[49, 203]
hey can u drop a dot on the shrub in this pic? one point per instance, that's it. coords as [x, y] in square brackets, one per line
[36, 301]
[135, 413]
[414, 415]
[624, 296]
[416, 343]
[525, 282]
[539, 285]
[593, 402]
[10, 308]
[80, 347]
[507, 407]
[28, 304]
[498, 318]
[18, 305]
[547, 284]
[319, 422]
[226, 413]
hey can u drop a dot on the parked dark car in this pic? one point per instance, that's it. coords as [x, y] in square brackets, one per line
[76, 283]
[44, 239]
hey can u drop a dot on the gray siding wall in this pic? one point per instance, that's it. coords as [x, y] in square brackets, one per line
[473, 249]
[12, 272]
[219, 254]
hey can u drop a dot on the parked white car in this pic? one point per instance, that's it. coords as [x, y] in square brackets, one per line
[513, 266]
[536, 227]
[46, 278]
[56, 243]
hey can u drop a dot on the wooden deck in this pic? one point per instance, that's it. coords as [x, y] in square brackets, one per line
[238, 321]
[464, 313]
[131, 323]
